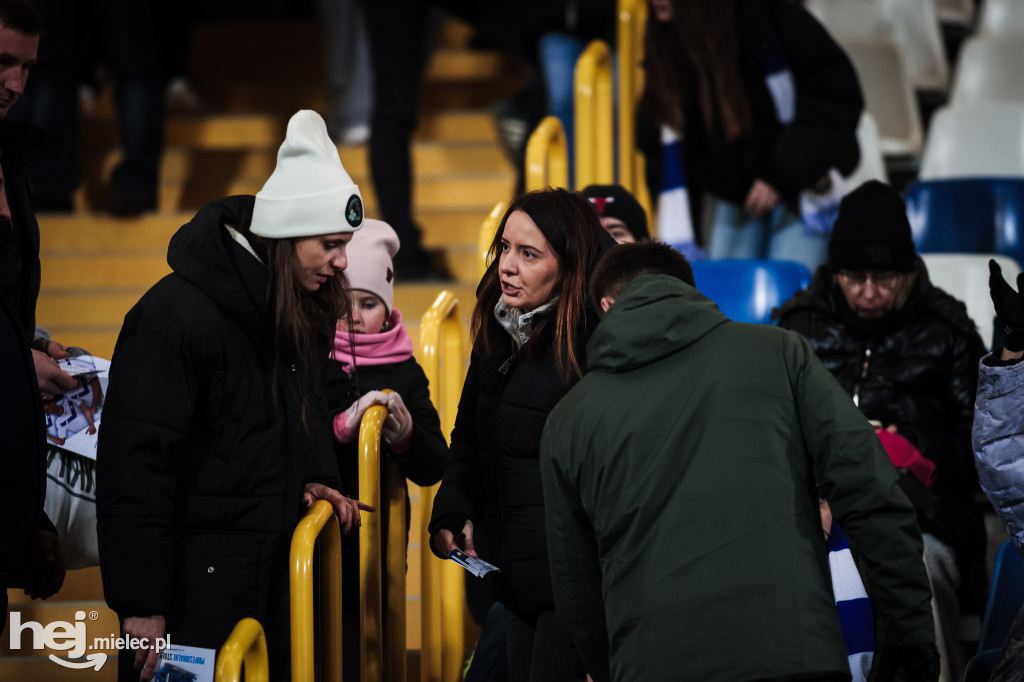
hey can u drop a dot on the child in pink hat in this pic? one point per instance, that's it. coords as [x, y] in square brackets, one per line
[373, 352]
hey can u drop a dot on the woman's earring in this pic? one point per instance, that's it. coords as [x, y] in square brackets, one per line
[384, 327]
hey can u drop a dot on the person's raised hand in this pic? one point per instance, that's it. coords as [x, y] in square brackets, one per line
[761, 198]
[53, 381]
[346, 424]
[346, 508]
[46, 557]
[398, 426]
[443, 541]
[149, 628]
[1009, 305]
[55, 350]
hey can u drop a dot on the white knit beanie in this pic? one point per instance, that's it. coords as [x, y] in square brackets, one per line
[309, 193]
[370, 255]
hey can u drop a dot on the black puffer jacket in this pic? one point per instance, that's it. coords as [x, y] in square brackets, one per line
[916, 368]
[199, 475]
[493, 476]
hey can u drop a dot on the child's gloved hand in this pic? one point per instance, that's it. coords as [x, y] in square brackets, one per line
[346, 424]
[398, 426]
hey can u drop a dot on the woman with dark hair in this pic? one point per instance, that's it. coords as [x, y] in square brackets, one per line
[215, 436]
[530, 327]
[766, 105]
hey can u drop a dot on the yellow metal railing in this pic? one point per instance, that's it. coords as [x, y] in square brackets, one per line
[318, 522]
[382, 644]
[547, 159]
[246, 645]
[371, 633]
[630, 34]
[488, 228]
[443, 645]
[595, 157]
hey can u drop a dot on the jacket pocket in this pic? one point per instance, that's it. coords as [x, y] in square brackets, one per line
[216, 585]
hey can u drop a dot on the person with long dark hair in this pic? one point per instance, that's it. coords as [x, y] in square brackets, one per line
[215, 435]
[766, 105]
[530, 326]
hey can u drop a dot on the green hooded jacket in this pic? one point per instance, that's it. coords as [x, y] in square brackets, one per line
[682, 518]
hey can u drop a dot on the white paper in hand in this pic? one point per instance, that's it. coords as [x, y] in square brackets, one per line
[477, 567]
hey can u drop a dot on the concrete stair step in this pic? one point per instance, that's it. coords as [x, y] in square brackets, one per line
[266, 131]
[91, 233]
[81, 585]
[446, 192]
[429, 159]
[36, 669]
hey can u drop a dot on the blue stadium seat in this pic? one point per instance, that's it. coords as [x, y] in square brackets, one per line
[1005, 597]
[968, 215]
[746, 289]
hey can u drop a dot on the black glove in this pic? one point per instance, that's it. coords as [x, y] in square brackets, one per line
[919, 663]
[1009, 305]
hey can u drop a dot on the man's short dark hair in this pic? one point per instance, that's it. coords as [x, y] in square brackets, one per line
[625, 262]
[20, 16]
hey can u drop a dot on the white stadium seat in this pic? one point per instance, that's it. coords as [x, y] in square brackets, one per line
[980, 141]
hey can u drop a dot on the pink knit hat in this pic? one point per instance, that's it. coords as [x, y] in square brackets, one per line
[370, 255]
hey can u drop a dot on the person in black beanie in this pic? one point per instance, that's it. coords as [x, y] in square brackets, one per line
[907, 353]
[621, 214]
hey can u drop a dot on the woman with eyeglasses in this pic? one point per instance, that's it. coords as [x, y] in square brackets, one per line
[908, 354]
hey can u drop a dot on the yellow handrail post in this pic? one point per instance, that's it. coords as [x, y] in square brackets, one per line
[631, 17]
[441, 336]
[317, 521]
[488, 228]
[371, 633]
[394, 628]
[246, 645]
[593, 115]
[547, 163]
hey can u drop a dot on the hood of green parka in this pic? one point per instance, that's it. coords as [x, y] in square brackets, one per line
[654, 316]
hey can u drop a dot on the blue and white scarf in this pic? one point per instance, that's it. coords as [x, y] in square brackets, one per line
[855, 616]
[675, 224]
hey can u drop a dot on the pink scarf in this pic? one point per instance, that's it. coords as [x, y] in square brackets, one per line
[385, 348]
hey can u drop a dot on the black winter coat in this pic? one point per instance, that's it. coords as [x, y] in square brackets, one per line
[199, 476]
[19, 241]
[918, 369]
[23, 461]
[493, 477]
[790, 157]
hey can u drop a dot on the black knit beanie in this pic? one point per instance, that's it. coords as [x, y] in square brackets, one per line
[872, 231]
[615, 201]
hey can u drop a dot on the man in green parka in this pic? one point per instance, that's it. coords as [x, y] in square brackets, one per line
[681, 482]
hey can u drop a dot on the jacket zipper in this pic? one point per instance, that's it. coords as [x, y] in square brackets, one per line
[863, 375]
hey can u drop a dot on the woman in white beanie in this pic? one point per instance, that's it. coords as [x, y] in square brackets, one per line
[374, 352]
[213, 440]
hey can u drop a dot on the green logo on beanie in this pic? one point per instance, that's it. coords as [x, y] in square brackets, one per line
[354, 211]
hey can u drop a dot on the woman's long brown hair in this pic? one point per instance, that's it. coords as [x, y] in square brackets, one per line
[572, 227]
[303, 323]
[703, 32]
